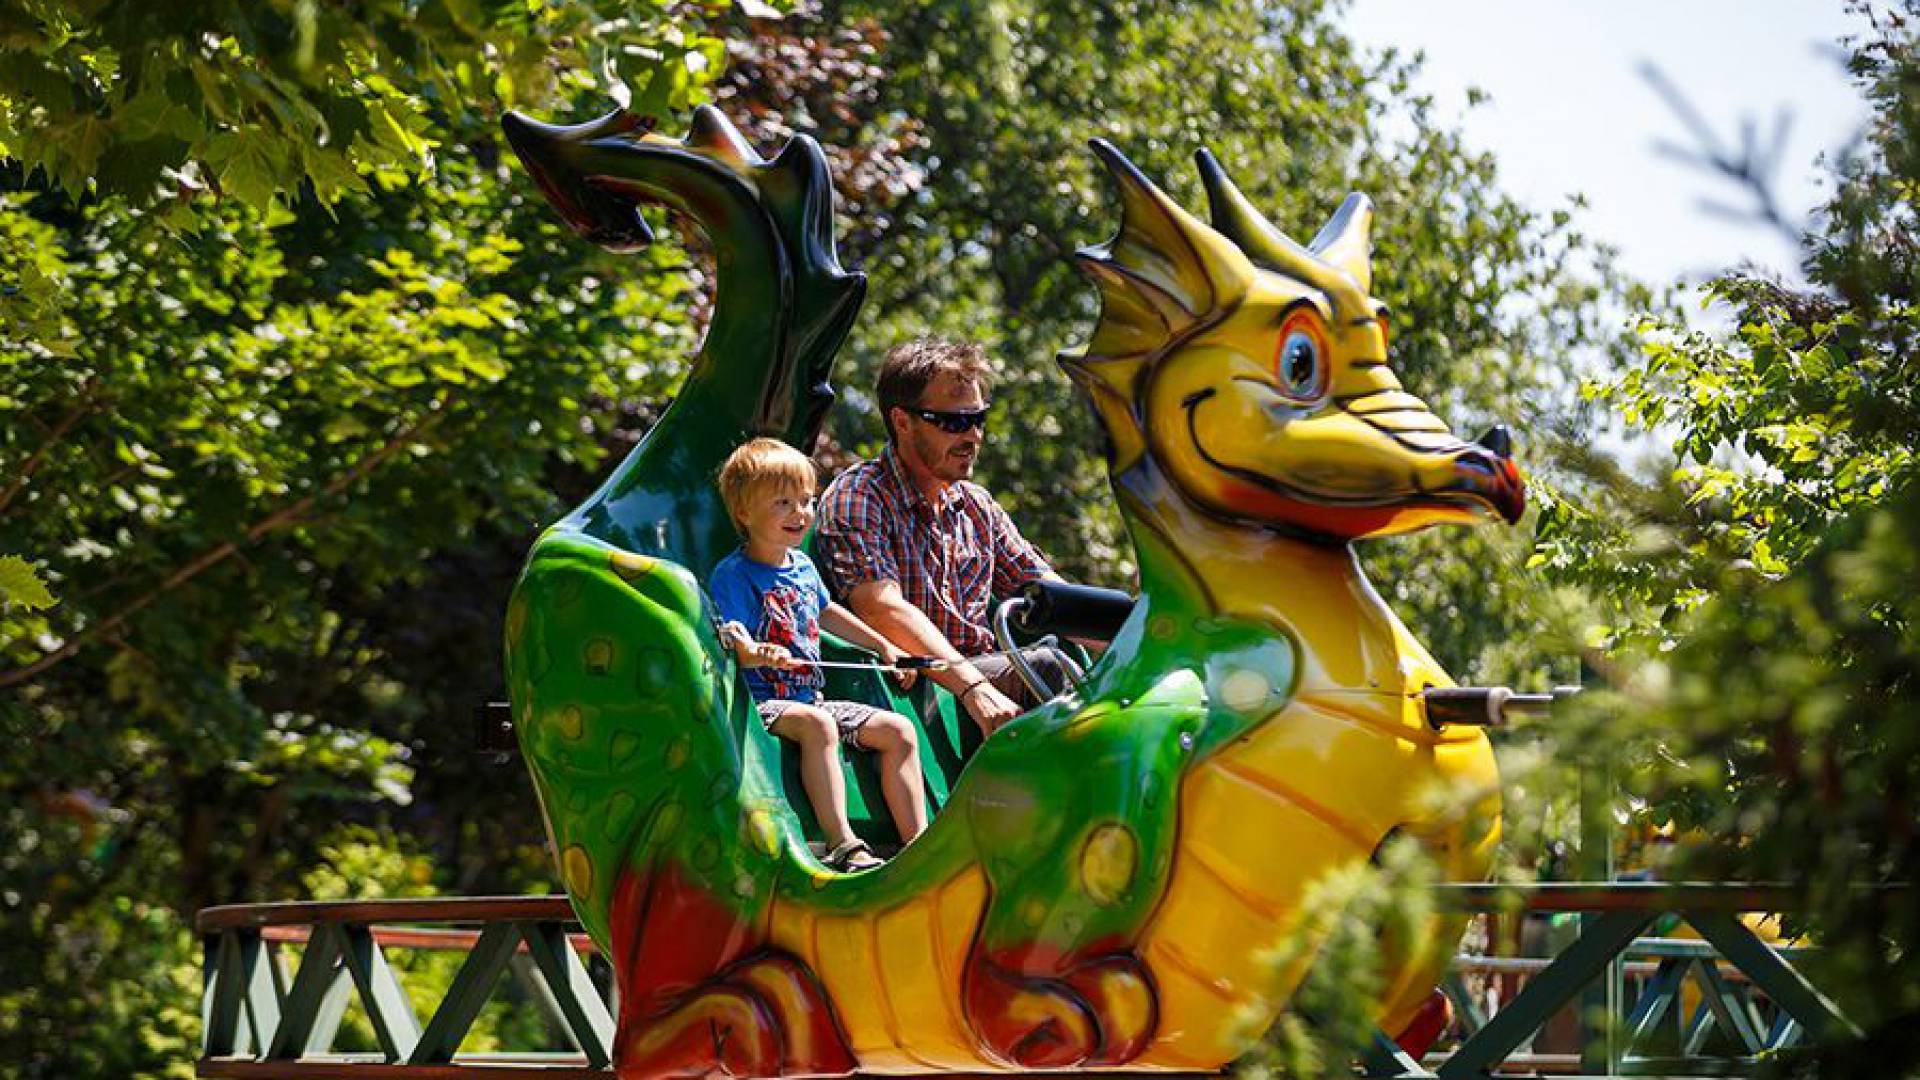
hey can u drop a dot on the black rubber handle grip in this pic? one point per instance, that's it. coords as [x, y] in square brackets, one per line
[1076, 611]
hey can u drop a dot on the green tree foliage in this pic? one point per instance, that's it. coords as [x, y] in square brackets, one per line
[1758, 602]
[260, 444]
[261, 100]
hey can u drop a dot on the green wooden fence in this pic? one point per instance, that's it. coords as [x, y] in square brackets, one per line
[265, 1016]
[1752, 1000]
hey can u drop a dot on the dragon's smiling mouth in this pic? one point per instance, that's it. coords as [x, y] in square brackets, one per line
[1415, 492]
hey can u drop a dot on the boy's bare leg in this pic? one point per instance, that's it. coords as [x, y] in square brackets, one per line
[891, 736]
[818, 738]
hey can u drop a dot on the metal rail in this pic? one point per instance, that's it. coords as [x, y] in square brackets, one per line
[266, 1016]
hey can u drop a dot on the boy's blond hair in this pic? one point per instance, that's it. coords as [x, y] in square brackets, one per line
[760, 464]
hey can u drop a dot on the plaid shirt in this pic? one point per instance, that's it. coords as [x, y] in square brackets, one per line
[951, 561]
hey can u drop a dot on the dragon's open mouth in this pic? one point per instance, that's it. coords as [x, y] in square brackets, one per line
[1484, 480]
[596, 208]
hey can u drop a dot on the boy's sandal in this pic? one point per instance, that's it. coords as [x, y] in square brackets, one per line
[851, 857]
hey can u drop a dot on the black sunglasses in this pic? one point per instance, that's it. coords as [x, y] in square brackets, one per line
[953, 423]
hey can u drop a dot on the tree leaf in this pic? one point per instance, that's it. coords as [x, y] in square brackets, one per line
[21, 586]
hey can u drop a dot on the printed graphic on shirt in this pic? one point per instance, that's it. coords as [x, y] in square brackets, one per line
[788, 620]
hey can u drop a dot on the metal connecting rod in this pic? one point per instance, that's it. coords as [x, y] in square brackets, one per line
[1488, 706]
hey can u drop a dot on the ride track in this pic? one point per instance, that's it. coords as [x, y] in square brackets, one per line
[1098, 886]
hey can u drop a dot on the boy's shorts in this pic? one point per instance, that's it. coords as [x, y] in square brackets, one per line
[851, 716]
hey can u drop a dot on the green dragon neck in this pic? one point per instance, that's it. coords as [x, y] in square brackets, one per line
[782, 308]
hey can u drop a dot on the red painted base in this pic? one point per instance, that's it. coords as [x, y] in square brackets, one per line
[1099, 1013]
[699, 996]
[1427, 1026]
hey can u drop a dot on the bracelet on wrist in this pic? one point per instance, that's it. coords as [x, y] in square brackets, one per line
[970, 688]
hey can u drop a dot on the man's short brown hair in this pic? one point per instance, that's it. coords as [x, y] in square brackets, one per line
[911, 366]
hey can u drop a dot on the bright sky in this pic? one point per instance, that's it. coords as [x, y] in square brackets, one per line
[1570, 111]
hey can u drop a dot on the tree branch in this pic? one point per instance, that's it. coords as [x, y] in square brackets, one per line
[287, 515]
[79, 412]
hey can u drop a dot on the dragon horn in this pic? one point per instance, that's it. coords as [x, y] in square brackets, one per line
[1235, 216]
[713, 132]
[1164, 247]
[1343, 249]
[610, 220]
[1346, 240]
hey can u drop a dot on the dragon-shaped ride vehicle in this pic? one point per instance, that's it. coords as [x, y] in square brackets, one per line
[1104, 872]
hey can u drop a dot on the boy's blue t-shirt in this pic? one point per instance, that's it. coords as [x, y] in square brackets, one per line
[780, 605]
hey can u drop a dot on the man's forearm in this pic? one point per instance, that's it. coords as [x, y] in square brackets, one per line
[840, 620]
[910, 630]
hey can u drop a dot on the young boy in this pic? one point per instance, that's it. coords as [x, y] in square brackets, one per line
[774, 604]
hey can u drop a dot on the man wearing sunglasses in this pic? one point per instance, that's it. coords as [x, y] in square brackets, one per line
[917, 550]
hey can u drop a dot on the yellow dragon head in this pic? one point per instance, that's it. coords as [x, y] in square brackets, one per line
[1253, 373]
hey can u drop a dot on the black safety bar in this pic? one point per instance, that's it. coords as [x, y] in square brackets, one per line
[1087, 612]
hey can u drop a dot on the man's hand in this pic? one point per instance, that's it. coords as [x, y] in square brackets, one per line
[903, 676]
[988, 706]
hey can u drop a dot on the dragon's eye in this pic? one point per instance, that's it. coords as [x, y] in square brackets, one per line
[1301, 363]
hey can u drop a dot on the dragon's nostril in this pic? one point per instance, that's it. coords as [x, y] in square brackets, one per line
[1497, 439]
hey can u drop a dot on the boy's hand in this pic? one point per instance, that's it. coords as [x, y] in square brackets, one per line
[753, 653]
[777, 656]
[767, 654]
[903, 676]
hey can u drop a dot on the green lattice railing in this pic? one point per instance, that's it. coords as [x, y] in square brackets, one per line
[265, 1017]
[1752, 1000]
[269, 1014]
